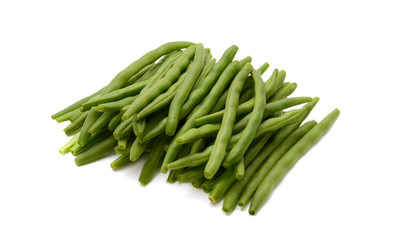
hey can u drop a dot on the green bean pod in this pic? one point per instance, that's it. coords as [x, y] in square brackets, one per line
[255, 180]
[247, 136]
[97, 152]
[284, 91]
[224, 134]
[102, 122]
[287, 161]
[121, 161]
[139, 64]
[181, 95]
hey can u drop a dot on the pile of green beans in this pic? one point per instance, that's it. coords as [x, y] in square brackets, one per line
[213, 123]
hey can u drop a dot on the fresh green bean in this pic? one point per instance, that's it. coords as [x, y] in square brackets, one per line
[181, 95]
[247, 136]
[239, 169]
[75, 126]
[139, 126]
[224, 134]
[139, 64]
[139, 75]
[198, 146]
[162, 84]
[67, 116]
[191, 174]
[102, 122]
[122, 143]
[281, 78]
[97, 152]
[125, 151]
[154, 160]
[246, 107]
[198, 182]
[221, 185]
[246, 60]
[121, 161]
[93, 140]
[123, 128]
[284, 91]
[255, 179]
[205, 71]
[114, 122]
[116, 95]
[66, 148]
[76, 115]
[287, 161]
[76, 105]
[272, 83]
[246, 95]
[116, 105]
[161, 101]
[196, 96]
[263, 68]
[136, 150]
[192, 160]
[91, 118]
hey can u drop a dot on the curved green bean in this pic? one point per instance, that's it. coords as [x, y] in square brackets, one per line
[247, 136]
[224, 134]
[287, 161]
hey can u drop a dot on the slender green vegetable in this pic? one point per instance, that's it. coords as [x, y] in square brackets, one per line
[139, 64]
[247, 136]
[66, 148]
[184, 89]
[284, 91]
[121, 161]
[91, 118]
[136, 150]
[102, 122]
[97, 152]
[154, 160]
[287, 161]
[224, 134]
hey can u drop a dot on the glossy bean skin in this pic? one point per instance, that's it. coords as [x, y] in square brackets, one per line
[225, 131]
[272, 83]
[136, 150]
[287, 161]
[150, 57]
[181, 95]
[247, 136]
[97, 152]
[116, 105]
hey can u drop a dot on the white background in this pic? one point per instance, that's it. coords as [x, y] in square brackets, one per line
[55, 52]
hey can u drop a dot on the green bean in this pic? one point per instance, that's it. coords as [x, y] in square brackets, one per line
[263, 68]
[77, 114]
[102, 122]
[67, 116]
[246, 107]
[224, 134]
[221, 185]
[75, 126]
[192, 160]
[150, 130]
[239, 169]
[76, 105]
[220, 102]
[114, 96]
[247, 136]
[246, 94]
[162, 84]
[198, 182]
[122, 143]
[136, 150]
[225, 78]
[207, 185]
[97, 152]
[120, 162]
[272, 83]
[161, 101]
[284, 91]
[125, 151]
[139, 126]
[93, 140]
[114, 122]
[256, 146]
[196, 96]
[281, 78]
[191, 174]
[195, 134]
[255, 180]
[154, 160]
[116, 105]
[205, 71]
[181, 95]
[246, 60]
[151, 72]
[66, 148]
[91, 118]
[154, 131]
[139, 64]
[287, 161]
[124, 128]
[206, 84]
[139, 75]
[198, 146]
